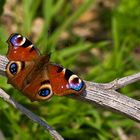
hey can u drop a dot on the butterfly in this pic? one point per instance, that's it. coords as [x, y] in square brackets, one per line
[34, 75]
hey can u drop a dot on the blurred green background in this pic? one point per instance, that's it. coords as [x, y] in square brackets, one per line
[97, 39]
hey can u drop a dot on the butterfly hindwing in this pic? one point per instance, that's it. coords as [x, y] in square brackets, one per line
[39, 87]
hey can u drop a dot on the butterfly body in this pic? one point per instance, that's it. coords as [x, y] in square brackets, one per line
[34, 75]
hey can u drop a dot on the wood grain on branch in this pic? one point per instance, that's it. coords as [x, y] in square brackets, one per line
[102, 94]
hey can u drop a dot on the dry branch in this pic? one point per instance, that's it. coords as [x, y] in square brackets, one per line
[112, 100]
[30, 115]
[104, 95]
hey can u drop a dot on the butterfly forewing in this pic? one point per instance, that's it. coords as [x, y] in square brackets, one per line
[64, 81]
[21, 49]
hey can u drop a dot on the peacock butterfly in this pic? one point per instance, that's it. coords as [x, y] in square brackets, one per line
[34, 75]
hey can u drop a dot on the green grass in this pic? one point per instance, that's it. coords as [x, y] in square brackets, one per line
[116, 58]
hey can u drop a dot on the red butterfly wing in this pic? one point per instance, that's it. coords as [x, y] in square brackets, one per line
[63, 81]
[21, 49]
[39, 87]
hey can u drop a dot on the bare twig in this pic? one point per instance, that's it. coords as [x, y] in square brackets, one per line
[30, 115]
[111, 99]
[102, 94]
[119, 83]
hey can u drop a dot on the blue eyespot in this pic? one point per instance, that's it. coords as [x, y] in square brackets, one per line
[16, 40]
[75, 82]
[13, 68]
[44, 92]
[76, 86]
